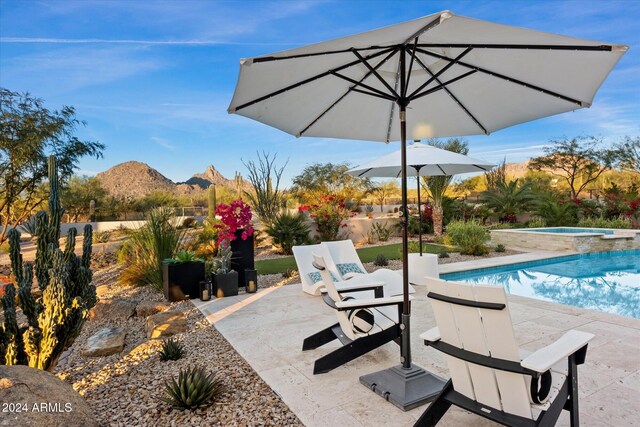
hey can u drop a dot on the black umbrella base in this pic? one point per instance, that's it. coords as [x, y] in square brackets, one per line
[405, 388]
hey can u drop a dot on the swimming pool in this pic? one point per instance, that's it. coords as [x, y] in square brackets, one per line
[603, 281]
[571, 230]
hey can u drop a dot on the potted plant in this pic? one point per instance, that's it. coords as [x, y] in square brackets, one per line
[235, 228]
[225, 280]
[181, 276]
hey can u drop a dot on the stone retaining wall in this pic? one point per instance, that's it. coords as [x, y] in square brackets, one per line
[574, 242]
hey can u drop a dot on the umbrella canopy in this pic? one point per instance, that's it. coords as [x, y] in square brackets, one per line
[422, 160]
[440, 75]
[463, 77]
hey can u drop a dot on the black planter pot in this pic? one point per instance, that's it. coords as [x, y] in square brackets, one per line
[243, 254]
[182, 281]
[225, 285]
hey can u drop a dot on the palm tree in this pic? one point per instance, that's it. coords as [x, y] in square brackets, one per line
[508, 199]
[436, 186]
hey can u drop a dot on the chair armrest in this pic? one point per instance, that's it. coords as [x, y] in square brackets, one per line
[543, 359]
[432, 335]
[351, 274]
[368, 303]
[346, 286]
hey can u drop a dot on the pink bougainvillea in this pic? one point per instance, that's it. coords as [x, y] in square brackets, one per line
[235, 216]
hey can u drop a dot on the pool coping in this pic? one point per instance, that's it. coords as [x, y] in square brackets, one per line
[502, 261]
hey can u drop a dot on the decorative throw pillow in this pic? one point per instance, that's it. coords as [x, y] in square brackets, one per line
[349, 267]
[362, 319]
[316, 277]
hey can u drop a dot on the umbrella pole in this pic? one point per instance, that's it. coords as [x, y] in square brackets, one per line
[407, 386]
[419, 215]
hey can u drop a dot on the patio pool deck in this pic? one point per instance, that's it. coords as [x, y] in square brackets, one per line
[267, 329]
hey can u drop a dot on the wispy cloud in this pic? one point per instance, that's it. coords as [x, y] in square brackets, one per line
[139, 42]
[163, 143]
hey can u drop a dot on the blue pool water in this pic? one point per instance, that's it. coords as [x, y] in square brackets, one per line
[569, 230]
[604, 281]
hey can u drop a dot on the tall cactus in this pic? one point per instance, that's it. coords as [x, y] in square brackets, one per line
[54, 319]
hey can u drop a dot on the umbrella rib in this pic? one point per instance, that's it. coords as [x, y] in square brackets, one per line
[507, 78]
[328, 52]
[442, 170]
[346, 93]
[307, 80]
[385, 96]
[424, 29]
[480, 167]
[361, 174]
[393, 105]
[375, 73]
[444, 86]
[413, 57]
[444, 69]
[359, 83]
[606, 48]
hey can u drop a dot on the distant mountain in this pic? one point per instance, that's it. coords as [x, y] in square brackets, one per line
[132, 180]
[209, 177]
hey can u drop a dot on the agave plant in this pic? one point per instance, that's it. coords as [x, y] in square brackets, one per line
[171, 350]
[194, 388]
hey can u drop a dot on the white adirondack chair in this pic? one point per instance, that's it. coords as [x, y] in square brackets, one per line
[309, 275]
[490, 376]
[364, 324]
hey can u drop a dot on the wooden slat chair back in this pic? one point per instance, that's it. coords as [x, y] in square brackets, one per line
[490, 375]
[304, 260]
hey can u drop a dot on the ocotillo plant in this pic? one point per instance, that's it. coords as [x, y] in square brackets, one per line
[55, 318]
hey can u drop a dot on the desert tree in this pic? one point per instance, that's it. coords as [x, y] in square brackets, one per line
[629, 153]
[329, 178]
[29, 132]
[77, 194]
[578, 161]
[383, 191]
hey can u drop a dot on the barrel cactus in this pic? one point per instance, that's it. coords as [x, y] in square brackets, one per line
[55, 316]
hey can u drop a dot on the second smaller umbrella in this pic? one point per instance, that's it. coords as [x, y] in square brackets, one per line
[422, 160]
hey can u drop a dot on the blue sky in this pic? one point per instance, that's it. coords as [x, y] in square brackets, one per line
[153, 79]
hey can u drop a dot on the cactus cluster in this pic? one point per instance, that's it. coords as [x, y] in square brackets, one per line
[194, 388]
[56, 316]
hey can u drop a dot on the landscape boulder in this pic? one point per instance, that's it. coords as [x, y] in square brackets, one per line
[148, 308]
[105, 342]
[44, 400]
[166, 324]
[117, 309]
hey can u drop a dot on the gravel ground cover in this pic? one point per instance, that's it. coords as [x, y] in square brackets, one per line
[123, 389]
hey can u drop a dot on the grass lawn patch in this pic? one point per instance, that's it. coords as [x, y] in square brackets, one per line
[392, 251]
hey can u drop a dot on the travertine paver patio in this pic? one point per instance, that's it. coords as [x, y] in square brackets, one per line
[267, 329]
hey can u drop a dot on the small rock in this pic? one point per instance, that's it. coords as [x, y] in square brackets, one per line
[147, 308]
[105, 342]
[166, 324]
[112, 309]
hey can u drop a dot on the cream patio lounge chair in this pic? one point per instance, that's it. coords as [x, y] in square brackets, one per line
[364, 324]
[313, 284]
[490, 376]
[348, 265]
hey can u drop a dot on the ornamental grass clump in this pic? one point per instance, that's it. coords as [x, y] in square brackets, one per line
[54, 319]
[145, 249]
[469, 236]
[194, 388]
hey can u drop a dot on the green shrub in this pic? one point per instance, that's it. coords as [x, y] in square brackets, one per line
[536, 222]
[288, 230]
[600, 222]
[381, 261]
[145, 249]
[189, 222]
[556, 213]
[469, 236]
[443, 255]
[289, 273]
[102, 236]
[193, 389]
[382, 230]
[500, 248]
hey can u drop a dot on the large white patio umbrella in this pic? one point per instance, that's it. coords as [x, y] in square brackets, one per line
[436, 76]
[422, 160]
